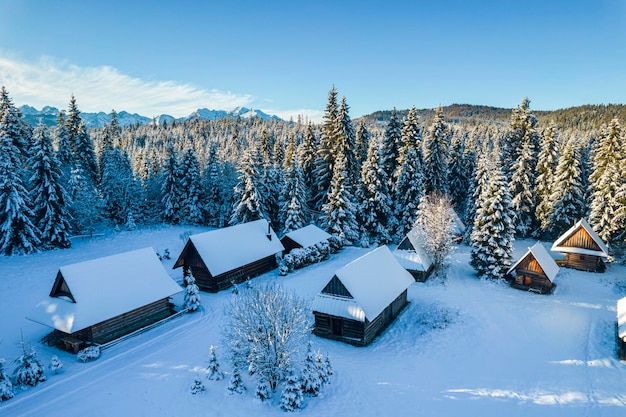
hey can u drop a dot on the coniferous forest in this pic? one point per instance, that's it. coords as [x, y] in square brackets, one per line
[508, 174]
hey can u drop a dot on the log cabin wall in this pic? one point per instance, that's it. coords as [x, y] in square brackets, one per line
[584, 262]
[209, 283]
[581, 239]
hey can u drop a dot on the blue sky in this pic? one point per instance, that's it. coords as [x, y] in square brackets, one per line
[282, 57]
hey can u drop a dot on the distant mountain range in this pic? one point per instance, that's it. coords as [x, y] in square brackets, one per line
[48, 116]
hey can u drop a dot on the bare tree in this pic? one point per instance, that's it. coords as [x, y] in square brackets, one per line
[435, 221]
[266, 328]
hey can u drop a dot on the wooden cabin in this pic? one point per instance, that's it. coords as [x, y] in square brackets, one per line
[303, 238]
[535, 271]
[223, 257]
[621, 328]
[103, 299]
[411, 255]
[582, 247]
[362, 298]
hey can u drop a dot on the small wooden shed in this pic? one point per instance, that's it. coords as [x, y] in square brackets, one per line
[582, 247]
[411, 255]
[535, 271]
[362, 298]
[231, 255]
[103, 299]
[304, 237]
[621, 328]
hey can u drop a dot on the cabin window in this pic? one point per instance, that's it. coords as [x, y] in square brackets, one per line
[582, 257]
[337, 327]
[527, 280]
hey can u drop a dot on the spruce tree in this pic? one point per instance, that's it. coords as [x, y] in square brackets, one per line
[120, 191]
[478, 182]
[324, 160]
[191, 186]
[375, 214]
[236, 385]
[6, 387]
[80, 142]
[171, 188]
[493, 232]
[12, 125]
[306, 159]
[436, 156]
[363, 137]
[215, 373]
[410, 138]
[522, 129]
[409, 192]
[50, 200]
[213, 189]
[292, 398]
[390, 147]
[346, 141]
[248, 203]
[339, 213]
[523, 191]
[546, 166]
[293, 206]
[458, 179]
[191, 301]
[85, 208]
[310, 378]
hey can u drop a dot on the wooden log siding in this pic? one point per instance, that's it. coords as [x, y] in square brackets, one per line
[529, 274]
[581, 239]
[582, 262]
[125, 323]
[359, 333]
[209, 283]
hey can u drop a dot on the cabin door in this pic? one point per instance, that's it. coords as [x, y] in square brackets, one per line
[337, 326]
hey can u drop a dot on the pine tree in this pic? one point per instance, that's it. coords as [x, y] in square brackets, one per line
[606, 180]
[198, 386]
[6, 387]
[262, 391]
[213, 189]
[523, 191]
[85, 206]
[12, 125]
[478, 183]
[191, 186]
[215, 373]
[18, 235]
[436, 156]
[311, 382]
[171, 189]
[306, 159]
[409, 192]
[29, 370]
[292, 398]
[375, 214]
[192, 292]
[492, 235]
[522, 129]
[458, 180]
[339, 213]
[120, 191]
[411, 138]
[546, 166]
[80, 142]
[363, 137]
[235, 385]
[323, 368]
[567, 204]
[50, 200]
[55, 364]
[63, 146]
[390, 148]
[346, 141]
[324, 160]
[248, 204]
[293, 199]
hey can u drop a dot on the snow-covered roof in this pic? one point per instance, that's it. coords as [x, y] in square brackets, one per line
[621, 318]
[458, 227]
[582, 223]
[308, 235]
[338, 306]
[413, 260]
[105, 288]
[374, 280]
[543, 258]
[225, 249]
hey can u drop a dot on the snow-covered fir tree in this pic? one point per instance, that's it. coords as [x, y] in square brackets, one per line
[80, 142]
[120, 191]
[606, 179]
[270, 185]
[436, 155]
[324, 160]
[375, 215]
[567, 204]
[213, 189]
[409, 191]
[12, 125]
[346, 141]
[493, 232]
[522, 129]
[29, 370]
[306, 159]
[214, 372]
[171, 188]
[248, 204]
[192, 292]
[197, 387]
[191, 184]
[262, 390]
[458, 178]
[390, 146]
[478, 182]
[310, 378]
[410, 138]
[292, 398]
[339, 213]
[63, 146]
[50, 199]
[236, 385]
[85, 206]
[363, 138]
[56, 365]
[523, 191]
[546, 167]
[6, 386]
[293, 207]
[18, 235]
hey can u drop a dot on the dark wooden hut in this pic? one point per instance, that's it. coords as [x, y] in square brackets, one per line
[412, 256]
[231, 255]
[103, 299]
[620, 328]
[535, 271]
[582, 247]
[303, 238]
[362, 298]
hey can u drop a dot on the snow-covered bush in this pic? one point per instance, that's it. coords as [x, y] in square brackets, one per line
[301, 257]
[6, 387]
[197, 387]
[336, 243]
[88, 354]
[55, 365]
[265, 328]
[29, 370]
[292, 398]
[236, 386]
[214, 366]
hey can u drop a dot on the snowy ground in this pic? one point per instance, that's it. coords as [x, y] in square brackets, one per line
[466, 347]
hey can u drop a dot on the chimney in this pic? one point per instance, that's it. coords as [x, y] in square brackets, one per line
[269, 228]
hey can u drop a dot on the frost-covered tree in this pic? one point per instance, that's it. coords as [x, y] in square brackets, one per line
[375, 214]
[478, 182]
[191, 184]
[567, 204]
[306, 159]
[410, 138]
[120, 191]
[192, 292]
[63, 146]
[546, 166]
[523, 191]
[50, 200]
[339, 213]
[213, 189]
[292, 398]
[606, 180]
[171, 188]
[80, 142]
[197, 387]
[248, 202]
[293, 208]
[436, 155]
[493, 232]
[213, 369]
[265, 329]
[409, 191]
[236, 385]
[390, 146]
[311, 382]
[346, 141]
[458, 178]
[12, 126]
[56, 365]
[85, 207]
[6, 387]
[262, 390]
[435, 221]
[29, 369]
[363, 138]
[522, 130]
[324, 160]
[18, 235]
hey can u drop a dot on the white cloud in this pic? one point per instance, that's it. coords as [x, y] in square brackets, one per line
[51, 82]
